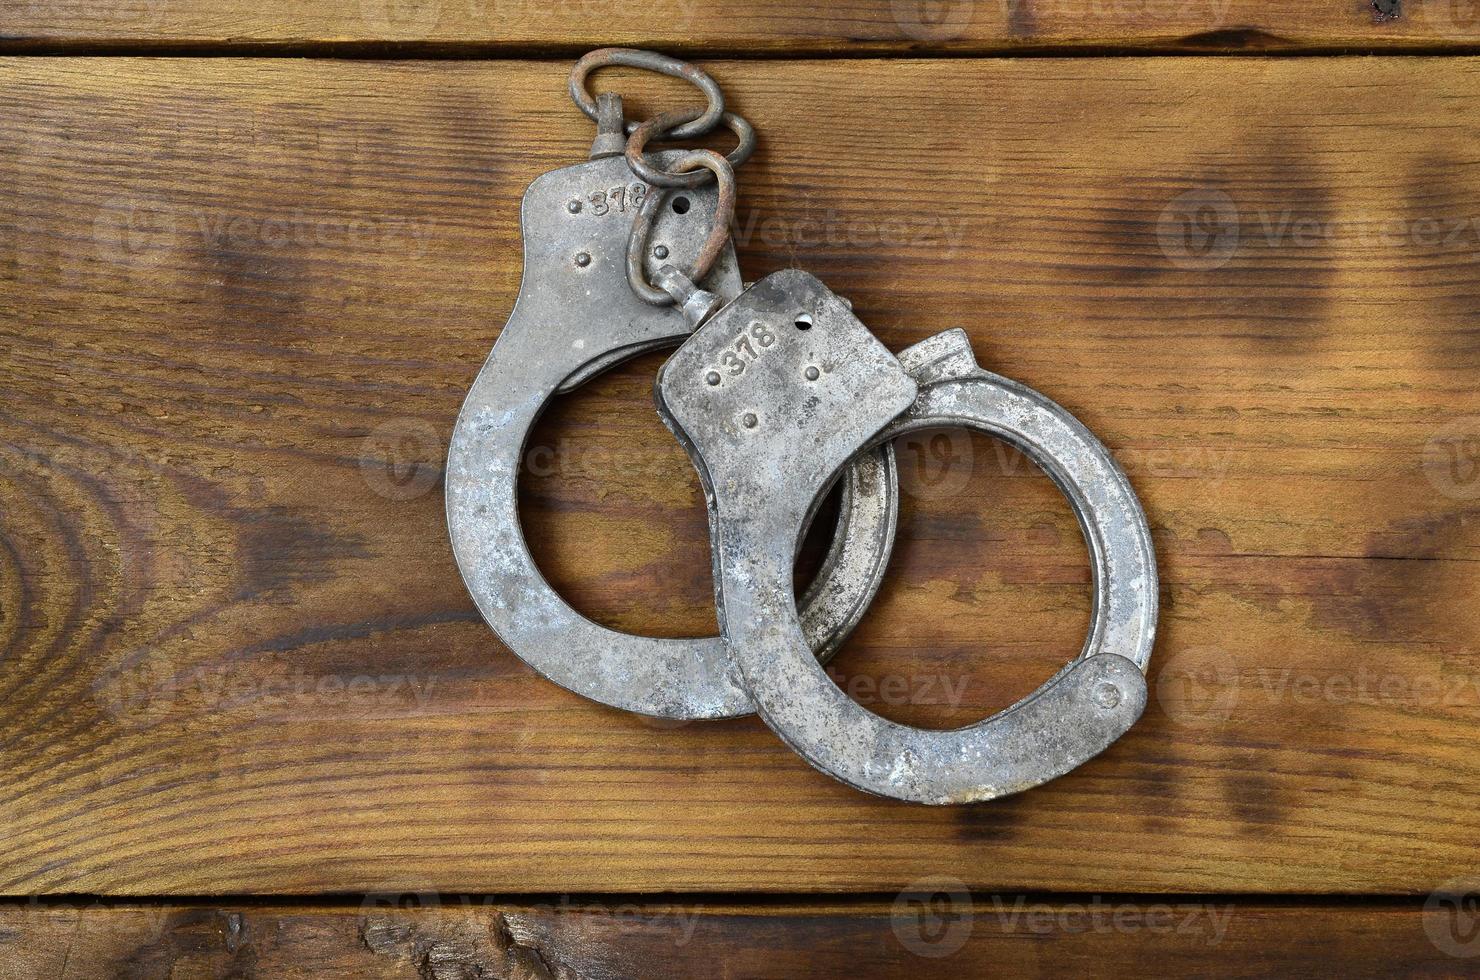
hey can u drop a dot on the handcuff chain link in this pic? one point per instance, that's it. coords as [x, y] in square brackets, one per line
[692, 170]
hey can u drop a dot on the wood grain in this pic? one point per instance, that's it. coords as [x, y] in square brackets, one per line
[605, 939]
[780, 27]
[242, 300]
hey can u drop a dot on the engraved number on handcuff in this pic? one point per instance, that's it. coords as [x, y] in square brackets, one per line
[733, 363]
[617, 199]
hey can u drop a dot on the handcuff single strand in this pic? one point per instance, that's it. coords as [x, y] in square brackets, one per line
[577, 316]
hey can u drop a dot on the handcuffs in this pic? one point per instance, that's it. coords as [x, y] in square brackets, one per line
[777, 392]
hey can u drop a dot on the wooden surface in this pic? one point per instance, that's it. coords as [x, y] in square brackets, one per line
[596, 939]
[742, 26]
[244, 298]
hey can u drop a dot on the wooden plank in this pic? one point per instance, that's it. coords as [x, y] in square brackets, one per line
[606, 939]
[744, 26]
[244, 298]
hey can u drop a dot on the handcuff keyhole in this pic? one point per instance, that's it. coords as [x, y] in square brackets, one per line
[680, 205]
[804, 321]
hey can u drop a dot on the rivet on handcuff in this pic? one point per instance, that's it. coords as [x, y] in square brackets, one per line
[777, 392]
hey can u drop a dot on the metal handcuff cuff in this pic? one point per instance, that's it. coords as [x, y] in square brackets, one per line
[778, 392]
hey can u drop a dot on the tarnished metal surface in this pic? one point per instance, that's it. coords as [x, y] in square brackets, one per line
[576, 317]
[769, 438]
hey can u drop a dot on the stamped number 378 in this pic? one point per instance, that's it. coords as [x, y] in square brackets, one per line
[747, 348]
[617, 199]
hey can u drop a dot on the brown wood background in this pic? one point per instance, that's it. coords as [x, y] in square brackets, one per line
[771, 27]
[242, 298]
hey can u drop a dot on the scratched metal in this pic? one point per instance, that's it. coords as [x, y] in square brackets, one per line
[770, 439]
[574, 318]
